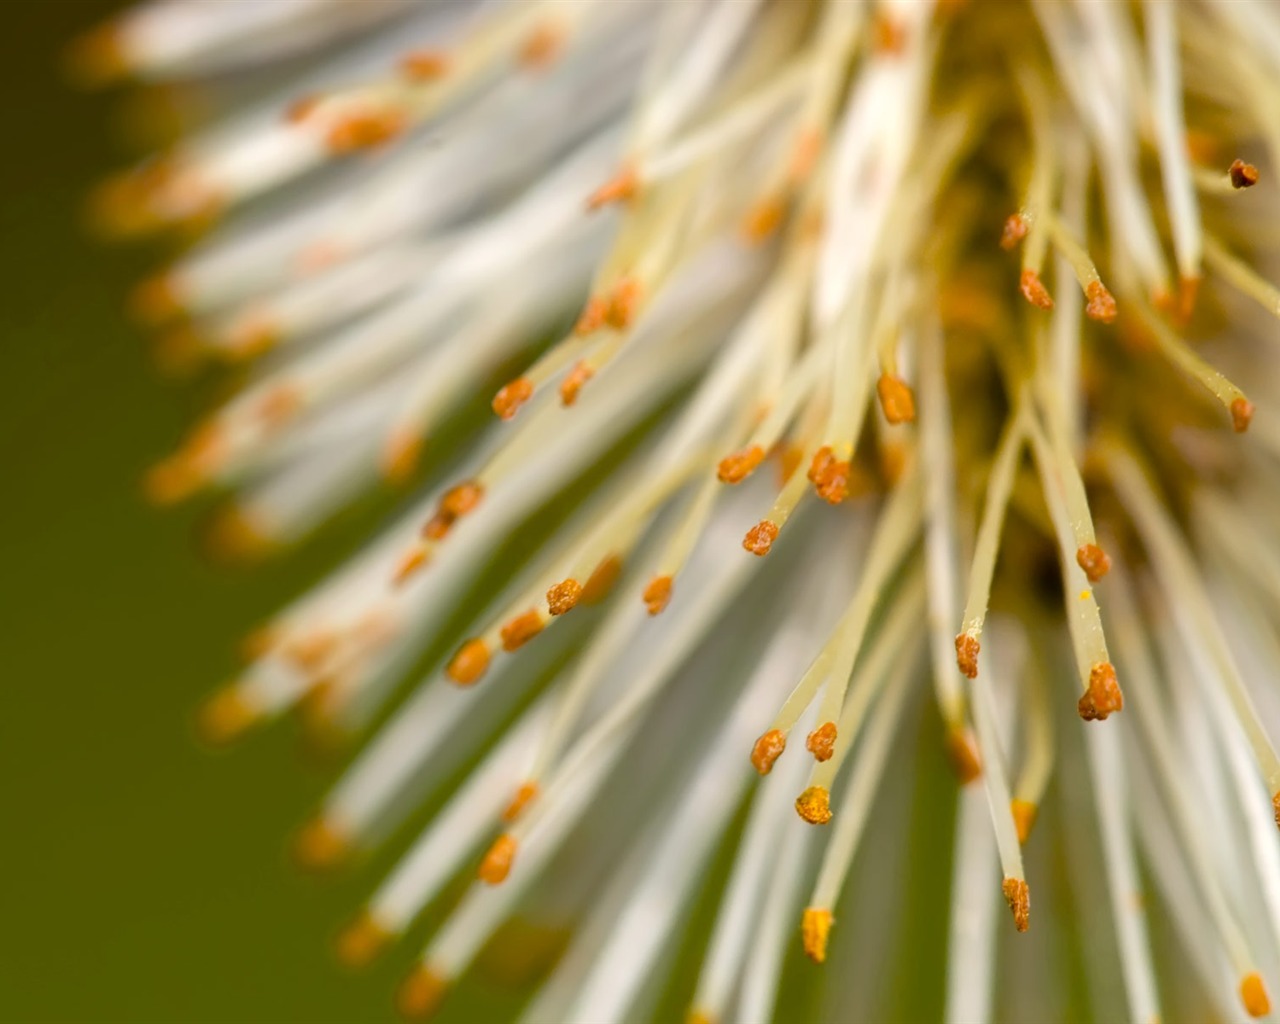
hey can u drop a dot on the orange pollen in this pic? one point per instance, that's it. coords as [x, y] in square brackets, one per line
[1253, 993]
[470, 663]
[762, 220]
[770, 746]
[592, 317]
[815, 927]
[156, 301]
[789, 461]
[822, 741]
[541, 47]
[623, 304]
[896, 399]
[967, 648]
[1015, 230]
[573, 382]
[507, 402]
[1103, 697]
[302, 108]
[1275, 806]
[601, 581]
[804, 156]
[657, 594]
[460, 500]
[359, 944]
[1034, 290]
[364, 130]
[760, 538]
[520, 630]
[1188, 292]
[737, 467]
[401, 458]
[830, 476]
[889, 36]
[814, 805]
[564, 596]
[424, 66]
[1018, 895]
[279, 405]
[962, 750]
[497, 862]
[1102, 304]
[527, 792]
[225, 717]
[320, 845]
[1024, 817]
[1095, 562]
[1242, 175]
[410, 564]
[420, 993]
[621, 188]
[1241, 415]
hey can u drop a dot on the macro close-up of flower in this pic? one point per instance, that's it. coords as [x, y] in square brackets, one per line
[777, 499]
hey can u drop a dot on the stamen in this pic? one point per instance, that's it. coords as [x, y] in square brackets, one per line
[225, 717]
[1253, 993]
[601, 580]
[770, 746]
[621, 188]
[1018, 895]
[737, 467]
[1095, 562]
[321, 845]
[362, 941]
[896, 399]
[497, 862]
[962, 750]
[470, 663]
[420, 993]
[1242, 175]
[507, 402]
[760, 538]
[1103, 696]
[815, 927]
[829, 476]
[1024, 817]
[528, 791]
[822, 741]
[1034, 291]
[520, 630]
[657, 594]
[814, 805]
[564, 596]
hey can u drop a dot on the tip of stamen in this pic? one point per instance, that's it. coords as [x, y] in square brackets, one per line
[601, 580]
[821, 743]
[457, 502]
[520, 630]
[591, 319]
[1103, 697]
[1253, 993]
[362, 941]
[896, 399]
[156, 301]
[542, 46]
[172, 480]
[962, 749]
[233, 535]
[507, 402]
[424, 66]
[98, 58]
[365, 129]
[574, 382]
[1275, 805]
[1095, 562]
[401, 456]
[814, 805]
[621, 188]
[1242, 175]
[1034, 291]
[815, 927]
[763, 219]
[564, 596]
[696, 1016]
[413, 560]
[1018, 895]
[829, 475]
[1015, 230]
[321, 845]
[657, 595]
[770, 746]
[1101, 303]
[623, 304]
[760, 538]
[1241, 415]
[737, 467]
[420, 993]
[527, 792]
[497, 862]
[1024, 817]
[967, 648]
[225, 717]
[470, 663]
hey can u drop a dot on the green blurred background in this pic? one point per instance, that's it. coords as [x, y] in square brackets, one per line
[144, 879]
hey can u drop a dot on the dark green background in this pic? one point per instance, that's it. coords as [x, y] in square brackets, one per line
[143, 878]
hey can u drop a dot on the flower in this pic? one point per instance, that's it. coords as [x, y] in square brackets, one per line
[739, 222]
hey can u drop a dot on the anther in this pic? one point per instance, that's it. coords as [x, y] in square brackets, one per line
[1024, 817]
[601, 580]
[424, 66]
[361, 942]
[896, 399]
[1241, 415]
[829, 475]
[815, 927]
[621, 188]
[1095, 562]
[1015, 230]
[226, 717]
[1242, 175]
[962, 750]
[564, 596]
[470, 663]
[574, 381]
[1253, 993]
[821, 743]
[497, 862]
[770, 746]
[526, 793]
[1103, 697]
[507, 402]
[1018, 895]
[760, 538]
[321, 845]
[412, 561]
[401, 457]
[967, 648]
[814, 805]
[420, 993]
[1035, 291]
[737, 467]
[657, 594]
[623, 304]
[520, 630]
[1101, 305]
[364, 130]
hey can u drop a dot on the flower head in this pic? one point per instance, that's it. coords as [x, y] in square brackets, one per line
[784, 307]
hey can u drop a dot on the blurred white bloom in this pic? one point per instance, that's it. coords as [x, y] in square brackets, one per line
[762, 236]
